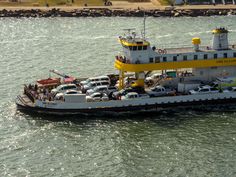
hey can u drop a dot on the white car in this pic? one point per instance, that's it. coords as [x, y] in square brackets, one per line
[95, 79]
[203, 90]
[97, 97]
[134, 95]
[100, 89]
[63, 88]
[160, 91]
[153, 78]
[92, 85]
[68, 92]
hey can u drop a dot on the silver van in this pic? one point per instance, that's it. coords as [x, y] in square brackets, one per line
[92, 85]
[95, 79]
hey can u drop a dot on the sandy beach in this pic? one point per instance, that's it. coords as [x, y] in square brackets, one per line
[119, 8]
[125, 5]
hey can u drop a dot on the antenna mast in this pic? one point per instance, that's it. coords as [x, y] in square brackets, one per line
[144, 26]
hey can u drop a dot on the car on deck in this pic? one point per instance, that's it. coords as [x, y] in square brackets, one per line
[97, 97]
[206, 89]
[63, 88]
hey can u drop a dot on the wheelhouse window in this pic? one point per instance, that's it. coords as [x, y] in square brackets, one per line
[164, 59]
[225, 55]
[195, 57]
[140, 47]
[174, 58]
[134, 47]
[157, 59]
[130, 48]
[215, 55]
[234, 54]
[185, 57]
[205, 56]
[144, 47]
[150, 60]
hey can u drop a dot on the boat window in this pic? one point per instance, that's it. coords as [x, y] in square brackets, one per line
[150, 60]
[215, 55]
[157, 59]
[145, 47]
[204, 90]
[71, 93]
[205, 56]
[195, 57]
[164, 59]
[101, 89]
[140, 47]
[225, 55]
[174, 58]
[185, 57]
[72, 87]
[134, 47]
[234, 54]
[130, 47]
[104, 83]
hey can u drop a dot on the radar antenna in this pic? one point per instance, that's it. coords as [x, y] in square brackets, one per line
[144, 27]
[129, 30]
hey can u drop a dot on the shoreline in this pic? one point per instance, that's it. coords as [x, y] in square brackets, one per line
[96, 11]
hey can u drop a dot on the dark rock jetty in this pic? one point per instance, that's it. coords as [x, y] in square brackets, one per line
[104, 12]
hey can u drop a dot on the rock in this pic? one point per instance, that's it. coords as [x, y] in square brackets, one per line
[177, 14]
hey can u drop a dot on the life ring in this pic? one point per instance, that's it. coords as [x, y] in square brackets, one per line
[160, 51]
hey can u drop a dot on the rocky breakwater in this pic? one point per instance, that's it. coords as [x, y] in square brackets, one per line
[105, 12]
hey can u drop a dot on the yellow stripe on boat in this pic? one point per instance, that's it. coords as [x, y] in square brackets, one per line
[132, 44]
[175, 65]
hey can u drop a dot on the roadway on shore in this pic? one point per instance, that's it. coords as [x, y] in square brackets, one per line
[154, 4]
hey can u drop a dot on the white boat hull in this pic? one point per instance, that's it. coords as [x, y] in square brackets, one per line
[134, 105]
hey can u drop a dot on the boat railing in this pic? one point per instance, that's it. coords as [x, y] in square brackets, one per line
[201, 47]
[27, 91]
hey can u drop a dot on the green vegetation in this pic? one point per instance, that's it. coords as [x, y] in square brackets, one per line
[166, 2]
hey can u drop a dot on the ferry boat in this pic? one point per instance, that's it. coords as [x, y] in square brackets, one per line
[180, 77]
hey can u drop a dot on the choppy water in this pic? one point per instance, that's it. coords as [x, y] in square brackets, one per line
[188, 143]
